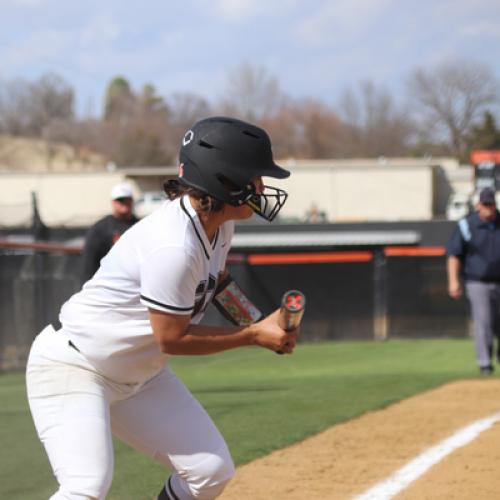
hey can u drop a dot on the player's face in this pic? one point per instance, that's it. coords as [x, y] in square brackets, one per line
[259, 185]
[238, 213]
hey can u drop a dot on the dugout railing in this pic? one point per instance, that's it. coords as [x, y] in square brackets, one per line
[375, 293]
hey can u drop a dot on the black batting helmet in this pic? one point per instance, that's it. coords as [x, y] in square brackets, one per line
[222, 157]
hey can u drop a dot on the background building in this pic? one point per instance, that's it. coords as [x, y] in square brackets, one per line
[357, 190]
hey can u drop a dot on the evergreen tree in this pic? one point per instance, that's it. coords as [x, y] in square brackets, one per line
[486, 135]
[119, 100]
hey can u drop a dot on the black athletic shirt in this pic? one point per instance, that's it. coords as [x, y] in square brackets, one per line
[99, 240]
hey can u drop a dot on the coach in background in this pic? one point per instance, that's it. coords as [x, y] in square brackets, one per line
[473, 255]
[106, 232]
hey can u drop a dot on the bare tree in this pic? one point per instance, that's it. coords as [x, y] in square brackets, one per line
[450, 98]
[84, 136]
[251, 94]
[186, 108]
[50, 98]
[30, 108]
[14, 107]
[26, 108]
[303, 129]
[286, 132]
[321, 127]
[373, 125]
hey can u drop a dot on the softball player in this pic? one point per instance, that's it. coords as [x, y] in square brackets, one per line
[106, 370]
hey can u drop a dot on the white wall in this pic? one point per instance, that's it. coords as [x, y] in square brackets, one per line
[345, 190]
[64, 199]
[360, 193]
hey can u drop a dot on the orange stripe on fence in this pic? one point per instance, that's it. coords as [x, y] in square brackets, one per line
[236, 258]
[309, 258]
[414, 251]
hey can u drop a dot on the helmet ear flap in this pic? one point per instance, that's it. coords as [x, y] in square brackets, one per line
[236, 195]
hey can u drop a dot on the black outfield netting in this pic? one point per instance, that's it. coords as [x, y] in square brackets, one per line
[34, 285]
[418, 304]
[387, 297]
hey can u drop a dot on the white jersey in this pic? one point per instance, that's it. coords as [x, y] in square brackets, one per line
[163, 262]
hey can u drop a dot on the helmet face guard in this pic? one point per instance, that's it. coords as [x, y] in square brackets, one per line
[268, 203]
[223, 156]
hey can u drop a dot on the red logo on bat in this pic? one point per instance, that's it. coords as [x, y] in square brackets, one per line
[294, 302]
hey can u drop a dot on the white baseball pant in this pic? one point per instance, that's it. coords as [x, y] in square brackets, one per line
[76, 410]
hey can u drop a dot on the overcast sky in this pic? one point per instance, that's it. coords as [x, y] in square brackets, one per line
[315, 48]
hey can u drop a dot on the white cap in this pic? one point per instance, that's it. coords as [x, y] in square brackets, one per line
[122, 190]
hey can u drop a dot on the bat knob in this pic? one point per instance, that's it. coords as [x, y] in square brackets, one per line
[293, 304]
[294, 301]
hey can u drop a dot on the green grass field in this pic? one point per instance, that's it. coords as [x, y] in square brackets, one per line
[259, 401]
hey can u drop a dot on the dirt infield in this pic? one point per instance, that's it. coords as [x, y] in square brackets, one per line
[349, 458]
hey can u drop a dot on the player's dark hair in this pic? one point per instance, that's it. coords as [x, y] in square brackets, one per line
[174, 188]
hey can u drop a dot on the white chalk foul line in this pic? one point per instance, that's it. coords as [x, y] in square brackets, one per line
[421, 464]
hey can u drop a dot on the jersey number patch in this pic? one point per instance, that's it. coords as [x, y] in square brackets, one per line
[203, 295]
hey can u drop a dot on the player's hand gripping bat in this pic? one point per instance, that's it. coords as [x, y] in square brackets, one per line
[235, 306]
[292, 309]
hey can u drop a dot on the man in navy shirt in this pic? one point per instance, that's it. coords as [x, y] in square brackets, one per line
[473, 257]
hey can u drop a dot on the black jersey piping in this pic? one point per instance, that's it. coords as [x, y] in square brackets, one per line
[173, 308]
[214, 244]
[195, 228]
[171, 490]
